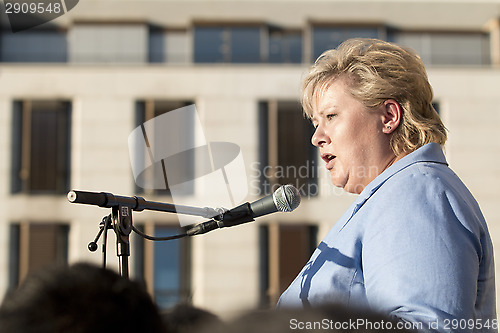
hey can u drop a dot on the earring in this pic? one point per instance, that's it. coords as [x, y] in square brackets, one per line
[389, 127]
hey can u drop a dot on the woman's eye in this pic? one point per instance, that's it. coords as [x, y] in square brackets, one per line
[331, 116]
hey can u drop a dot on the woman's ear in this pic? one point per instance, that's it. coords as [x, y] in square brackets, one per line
[391, 116]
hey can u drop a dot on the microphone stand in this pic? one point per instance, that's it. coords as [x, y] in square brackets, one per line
[120, 220]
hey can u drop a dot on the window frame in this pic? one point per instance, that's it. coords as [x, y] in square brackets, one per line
[269, 152]
[23, 152]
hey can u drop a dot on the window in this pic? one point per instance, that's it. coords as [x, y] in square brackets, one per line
[330, 37]
[437, 107]
[158, 176]
[34, 45]
[168, 46]
[108, 43]
[35, 245]
[171, 272]
[41, 147]
[448, 48]
[284, 250]
[286, 153]
[228, 44]
[285, 46]
[165, 266]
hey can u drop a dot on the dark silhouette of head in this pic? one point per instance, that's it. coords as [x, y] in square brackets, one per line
[78, 299]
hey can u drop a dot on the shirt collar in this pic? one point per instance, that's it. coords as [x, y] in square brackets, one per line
[431, 152]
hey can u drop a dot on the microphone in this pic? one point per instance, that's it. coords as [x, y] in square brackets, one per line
[285, 199]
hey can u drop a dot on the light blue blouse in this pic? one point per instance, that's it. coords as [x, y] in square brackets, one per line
[414, 245]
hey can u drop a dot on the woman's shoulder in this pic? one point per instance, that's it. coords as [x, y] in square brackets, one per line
[423, 177]
[428, 192]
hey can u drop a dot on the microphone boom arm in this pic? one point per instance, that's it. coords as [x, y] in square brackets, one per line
[109, 200]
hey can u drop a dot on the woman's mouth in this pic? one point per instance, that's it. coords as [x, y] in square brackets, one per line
[328, 158]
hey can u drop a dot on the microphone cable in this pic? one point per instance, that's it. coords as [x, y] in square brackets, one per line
[152, 238]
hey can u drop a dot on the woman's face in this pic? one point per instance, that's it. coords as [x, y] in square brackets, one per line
[353, 141]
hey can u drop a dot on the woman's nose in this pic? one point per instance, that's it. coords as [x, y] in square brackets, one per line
[319, 137]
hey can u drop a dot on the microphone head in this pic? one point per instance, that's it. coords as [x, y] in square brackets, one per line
[286, 198]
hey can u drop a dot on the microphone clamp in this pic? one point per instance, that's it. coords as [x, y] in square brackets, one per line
[227, 218]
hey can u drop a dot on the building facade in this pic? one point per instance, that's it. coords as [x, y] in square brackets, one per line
[73, 89]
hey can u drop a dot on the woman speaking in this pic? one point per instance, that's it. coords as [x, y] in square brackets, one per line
[414, 245]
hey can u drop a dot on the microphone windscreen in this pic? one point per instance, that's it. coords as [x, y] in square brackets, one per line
[286, 198]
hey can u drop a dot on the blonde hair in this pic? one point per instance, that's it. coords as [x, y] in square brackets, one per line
[375, 71]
